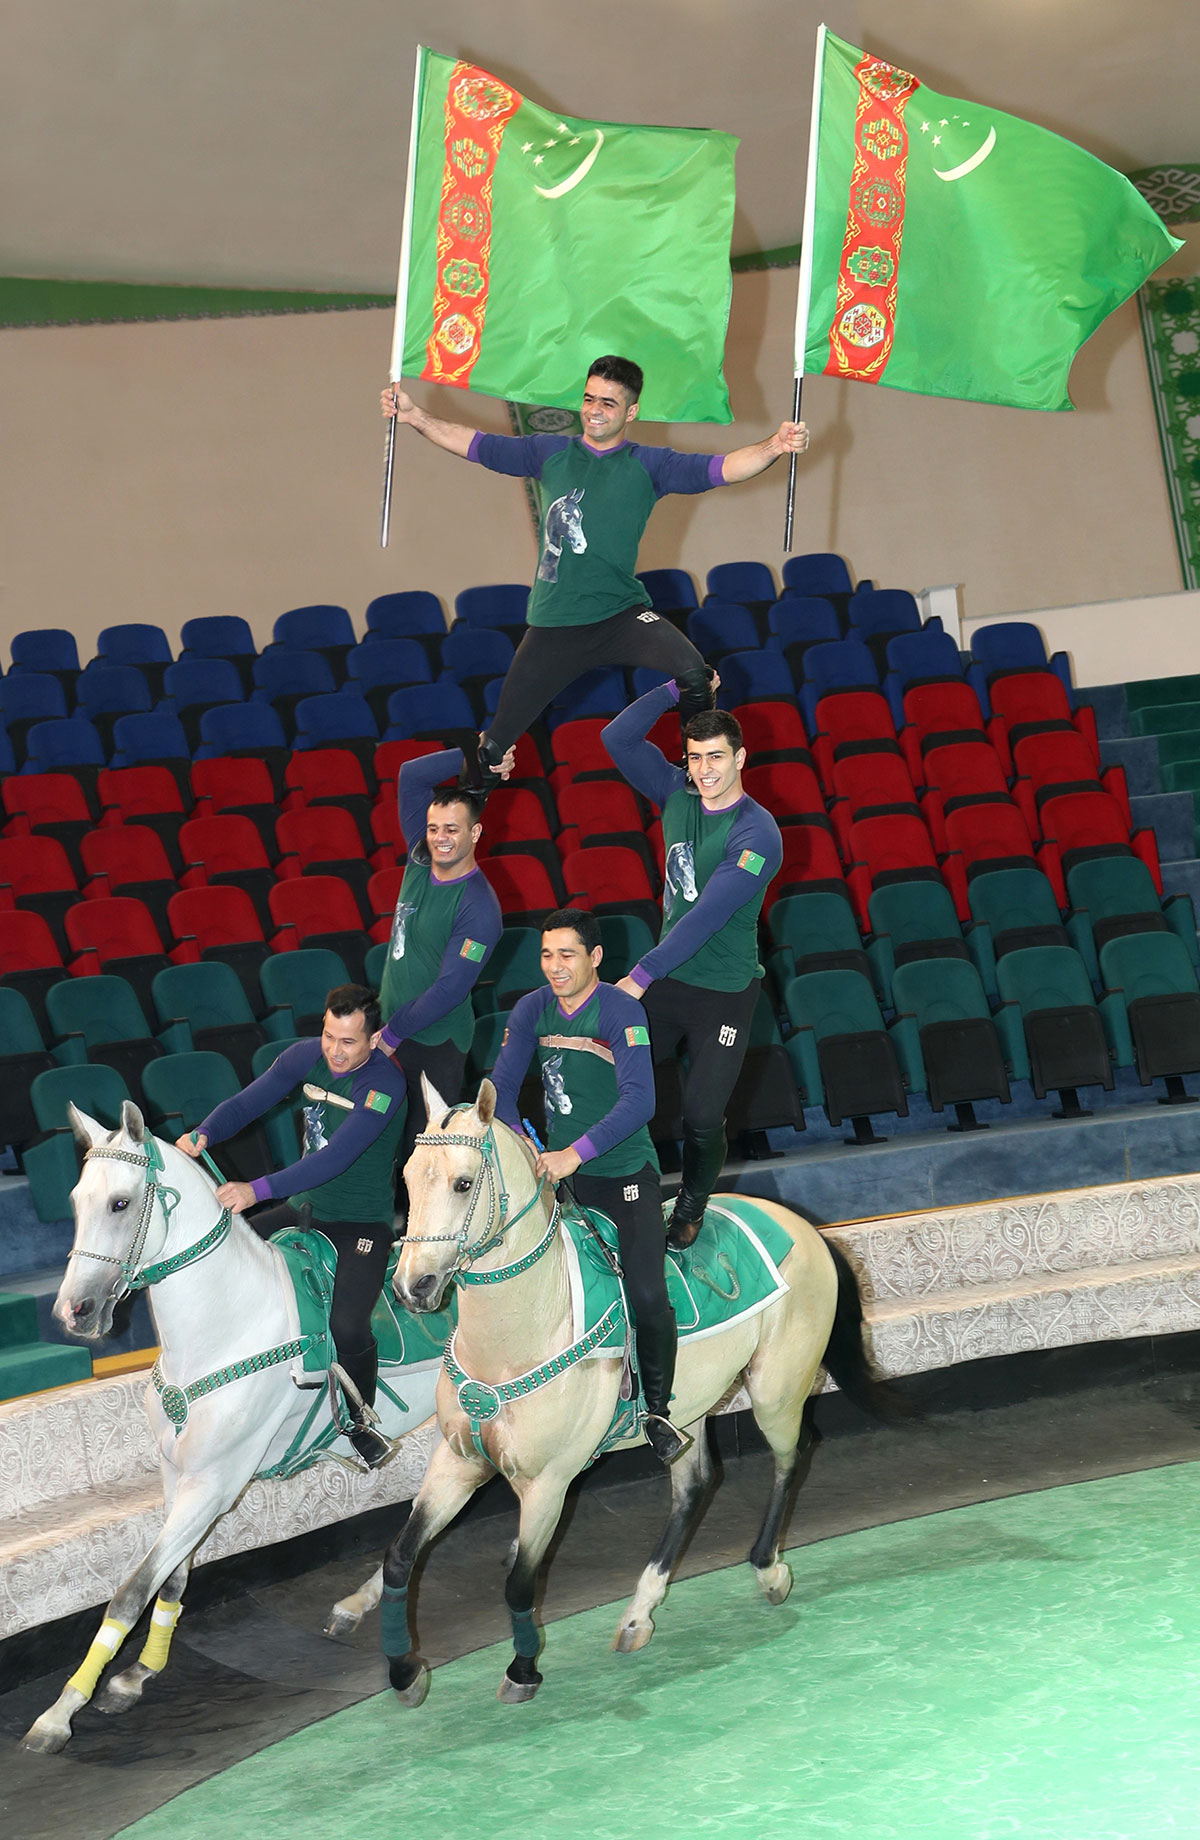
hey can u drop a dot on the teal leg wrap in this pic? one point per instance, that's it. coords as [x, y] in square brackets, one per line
[394, 1623]
[527, 1637]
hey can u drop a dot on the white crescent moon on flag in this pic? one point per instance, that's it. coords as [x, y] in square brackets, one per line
[976, 159]
[581, 171]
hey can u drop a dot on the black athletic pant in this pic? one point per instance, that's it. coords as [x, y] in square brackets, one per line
[634, 1204]
[362, 1249]
[442, 1063]
[712, 1027]
[551, 657]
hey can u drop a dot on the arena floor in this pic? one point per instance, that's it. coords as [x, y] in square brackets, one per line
[1028, 1666]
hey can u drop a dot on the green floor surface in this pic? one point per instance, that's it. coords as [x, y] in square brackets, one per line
[1028, 1667]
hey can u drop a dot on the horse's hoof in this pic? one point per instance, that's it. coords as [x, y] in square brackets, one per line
[341, 1622]
[45, 1739]
[115, 1698]
[775, 1582]
[632, 1636]
[410, 1692]
[516, 1692]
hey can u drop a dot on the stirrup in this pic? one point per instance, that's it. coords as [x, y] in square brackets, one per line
[371, 1445]
[666, 1440]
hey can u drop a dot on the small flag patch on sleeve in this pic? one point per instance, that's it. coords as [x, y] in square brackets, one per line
[751, 861]
[378, 1102]
[637, 1038]
[472, 948]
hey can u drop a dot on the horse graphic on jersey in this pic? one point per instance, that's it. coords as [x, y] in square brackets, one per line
[679, 875]
[564, 524]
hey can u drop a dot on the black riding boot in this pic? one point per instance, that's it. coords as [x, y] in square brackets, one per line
[363, 1369]
[703, 1155]
[482, 775]
[695, 693]
[656, 1339]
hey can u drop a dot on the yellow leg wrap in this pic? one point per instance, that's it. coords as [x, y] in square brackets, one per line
[158, 1642]
[108, 1640]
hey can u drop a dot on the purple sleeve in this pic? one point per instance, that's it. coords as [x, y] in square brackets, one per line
[523, 456]
[414, 788]
[684, 473]
[281, 1078]
[728, 887]
[512, 1062]
[478, 918]
[348, 1141]
[644, 766]
[635, 1076]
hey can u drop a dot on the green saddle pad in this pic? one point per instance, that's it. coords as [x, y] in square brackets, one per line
[730, 1271]
[404, 1339]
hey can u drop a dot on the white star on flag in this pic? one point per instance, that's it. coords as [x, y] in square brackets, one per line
[937, 140]
[538, 158]
[924, 127]
[527, 147]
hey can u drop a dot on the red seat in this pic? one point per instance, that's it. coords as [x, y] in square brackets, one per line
[33, 865]
[220, 846]
[995, 836]
[610, 878]
[385, 828]
[1093, 824]
[308, 905]
[862, 782]
[390, 756]
[664, 734]
[316, 834]
[118, 855]
[598, 808]
[205, 917]
[578, 745]
[1030, 699]
[1055, 759]
[788, 789]
[966, 771]
[226, 783]
[116, 928]
[383, 891]
[135, 792]
[770, 728]
[323, 773]
[897, 847]
[522, 885]
[32, 800]
[810, 858]
[946, 709]
[26, 944]
[514, 815]
[848, 716]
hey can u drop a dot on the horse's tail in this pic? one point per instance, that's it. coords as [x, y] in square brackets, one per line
[845, 1354]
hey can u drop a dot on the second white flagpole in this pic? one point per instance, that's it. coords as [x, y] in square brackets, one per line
[399, 325]
[804, 291]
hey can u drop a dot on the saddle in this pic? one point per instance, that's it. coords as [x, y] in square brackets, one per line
[404, 1340]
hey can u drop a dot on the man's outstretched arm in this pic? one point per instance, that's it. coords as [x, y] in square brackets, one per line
[747, 462]
[451, 435]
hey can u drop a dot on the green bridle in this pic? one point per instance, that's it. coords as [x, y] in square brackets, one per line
[130, 1278]
[497, 1223]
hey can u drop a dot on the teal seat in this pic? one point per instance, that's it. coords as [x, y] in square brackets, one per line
[204, 1006]
[1114, 895]
[945, 1038]
[486, 1042]
[282, 1123]
[374, 962]
[814, 932]
[295, 986]
[1051, 1027]
[1011, 909]
[181, 1089]
[53, 1164]
[840, 1053]
[514, 967]
[23, 1055]
[911, 921]
[1151, 982]
[626, 938]
[99, 1019]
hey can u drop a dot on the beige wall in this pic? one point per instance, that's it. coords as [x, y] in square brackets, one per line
[154, 472]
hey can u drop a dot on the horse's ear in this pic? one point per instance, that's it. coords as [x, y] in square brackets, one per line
[485, 1103]
[435, 1105]
[132, 1122]
[87, 1131]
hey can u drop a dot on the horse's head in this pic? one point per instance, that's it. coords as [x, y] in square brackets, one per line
[106, 1201]
[455, 1187]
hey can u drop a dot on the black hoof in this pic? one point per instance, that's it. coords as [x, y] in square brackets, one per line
[405, 1672]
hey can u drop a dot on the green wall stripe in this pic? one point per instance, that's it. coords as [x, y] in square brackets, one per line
[91, 303]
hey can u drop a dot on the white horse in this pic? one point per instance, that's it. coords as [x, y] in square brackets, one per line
[514, 1317]
[223, 1407]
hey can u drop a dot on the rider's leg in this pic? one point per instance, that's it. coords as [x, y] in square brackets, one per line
[362, 1249]
[443, 1065]
[282, 1217]
[645, 639]
[547, 660]
[715, 1040]
[634, 1203]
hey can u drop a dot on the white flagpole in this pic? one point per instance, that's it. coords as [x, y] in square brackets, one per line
[804, 291]
[399, 325]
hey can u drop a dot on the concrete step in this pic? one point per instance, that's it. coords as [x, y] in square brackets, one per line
[18, 1319]
[35, 1367]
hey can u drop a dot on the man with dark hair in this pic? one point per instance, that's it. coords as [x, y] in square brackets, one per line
[445, 927]
[354, 1109]
[587, 608]
[700, 983]
[593, 1047]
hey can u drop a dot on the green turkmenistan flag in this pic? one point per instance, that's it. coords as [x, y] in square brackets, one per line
[951, 249]
[535, 242]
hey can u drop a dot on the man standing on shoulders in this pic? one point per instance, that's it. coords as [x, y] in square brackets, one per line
[593, 1048]
[445, 927]
[700, 983]
[597, 490]
[353, 1116]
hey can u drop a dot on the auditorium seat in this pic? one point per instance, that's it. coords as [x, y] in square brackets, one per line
[609, 878]
[471, 655]
[99, 1020]
[140, 643]
[65, 746]
[117, 935]
[181, 1089]
[840, 1052]
[596, 693]
[295, 986]
[281, 1125]
[319, 910]
[323, 840]
[330, 776]
[198, 684]
[221, 635]
[750, 583]
[897, 847]
[962, 770]
[626, 938]
[1075, 823]
[283, 677]
[514, 968]
[722, 626]
[203, 1006]
[36, 876]
[945, 1039]
[412, 613]
[227, 851]
[129, 859]
[1011, 909]
[441, 710]
[946, 710]
[810, 856]
[106, 691]
[321, 627]
[156, 739]
[1152, 983]
[796, 624]
[788, 789]
[523, 888]
[912, 658]
[670, 590]
[497, 603]
[814, 930]
[996, 836]
[820, 572]
[53, 1163]
[1033, 700]
[49, 650]
[849, 719]
[865, 784]
[839, 665]
[1052, 1030]
[23, 1055]
[252, 729]
[145, 795]
[221, 923]
[910, 923]
[1110, 896]
[30, 961]
[26, 698]
[772, 731]
[754, 677]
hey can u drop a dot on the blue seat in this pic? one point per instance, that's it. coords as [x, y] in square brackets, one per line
[342, 719]
[26, 698]
[821, 572]
[670, 590]
[798, 623]
[241, 728]
[284, 677]
[141, 739]
[1017, 645]
[645, 678]
[196, 684]
[407, 615]
[498, 603]
[722, 626]
[755, 676]
[751, 583]
[106, 691]
[383, 665]
[62, 746]
[884, 610]
[136, 642]
[8, 763]
[842, 664]
[322, 628]
[429, 709]
[221, 635]
[596, 693]
[918, 658]
[51, 649]
[468, 652]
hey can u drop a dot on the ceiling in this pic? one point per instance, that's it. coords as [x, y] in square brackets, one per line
[264, 142]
